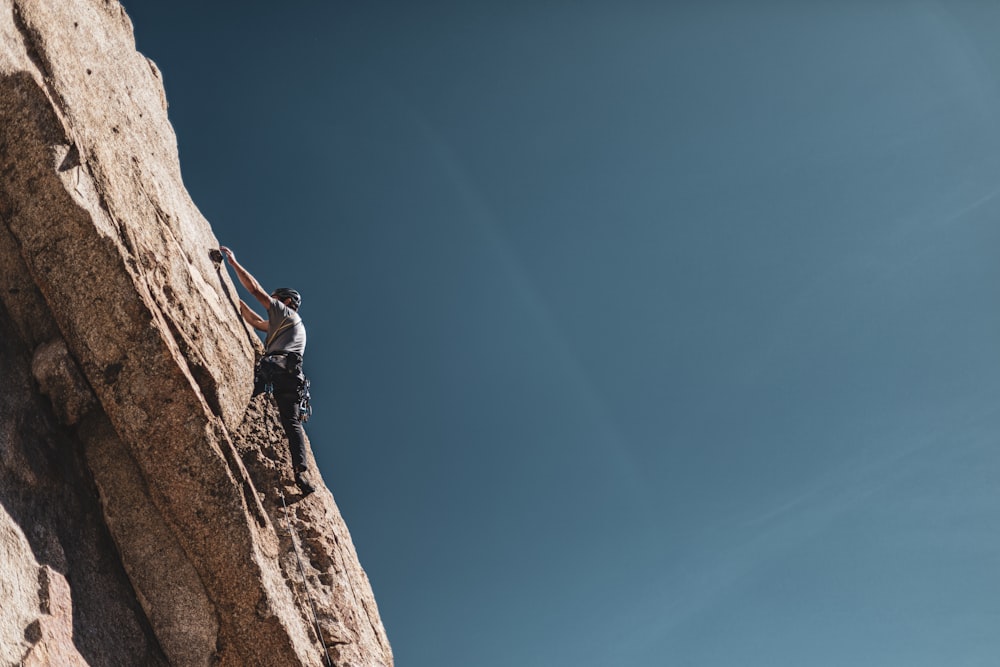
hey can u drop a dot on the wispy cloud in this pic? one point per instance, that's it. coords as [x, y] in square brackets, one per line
[730, 558]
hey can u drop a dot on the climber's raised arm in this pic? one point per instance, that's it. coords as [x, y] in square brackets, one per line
[247, 281]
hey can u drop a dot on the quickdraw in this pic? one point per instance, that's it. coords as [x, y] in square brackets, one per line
[305, 406]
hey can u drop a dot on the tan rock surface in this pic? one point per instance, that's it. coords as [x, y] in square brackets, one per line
[18, 590]
[131, 371]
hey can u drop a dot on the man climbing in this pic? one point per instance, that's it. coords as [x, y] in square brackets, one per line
[280, 369]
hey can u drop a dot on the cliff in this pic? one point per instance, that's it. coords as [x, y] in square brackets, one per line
[140, 515]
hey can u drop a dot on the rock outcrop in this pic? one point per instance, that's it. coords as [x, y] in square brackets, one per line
[140, 515]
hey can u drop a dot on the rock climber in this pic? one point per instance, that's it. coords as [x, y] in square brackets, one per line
[279, 371]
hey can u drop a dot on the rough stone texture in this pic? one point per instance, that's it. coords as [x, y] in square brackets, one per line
[51, 634]
[50, 517]
[18, 589]
[141, 516]
[36, 622]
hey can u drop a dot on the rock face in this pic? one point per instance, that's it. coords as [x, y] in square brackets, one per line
[140, 515]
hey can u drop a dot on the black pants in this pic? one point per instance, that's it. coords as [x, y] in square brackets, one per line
[286, 388]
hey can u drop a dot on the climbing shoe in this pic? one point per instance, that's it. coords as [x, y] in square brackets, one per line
[304, 486]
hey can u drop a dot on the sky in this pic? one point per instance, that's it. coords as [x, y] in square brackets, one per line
[640, 333]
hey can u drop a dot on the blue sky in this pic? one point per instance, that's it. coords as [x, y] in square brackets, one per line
[640, 333]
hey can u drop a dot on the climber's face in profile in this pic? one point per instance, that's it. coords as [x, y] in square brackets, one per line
[287, 300]
[287, 296]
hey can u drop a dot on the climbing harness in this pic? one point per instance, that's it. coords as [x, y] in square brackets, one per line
[305, 584]
[275, 371]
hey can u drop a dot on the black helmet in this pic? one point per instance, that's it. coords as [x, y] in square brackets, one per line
[287, 293]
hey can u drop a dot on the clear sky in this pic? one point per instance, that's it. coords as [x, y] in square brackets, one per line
[641, 333]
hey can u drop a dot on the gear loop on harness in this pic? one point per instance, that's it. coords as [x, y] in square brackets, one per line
[305, 406]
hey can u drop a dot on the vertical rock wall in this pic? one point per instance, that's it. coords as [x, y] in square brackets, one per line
[139, 504]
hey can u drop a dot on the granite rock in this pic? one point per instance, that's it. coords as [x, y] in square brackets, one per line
[142, 516]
